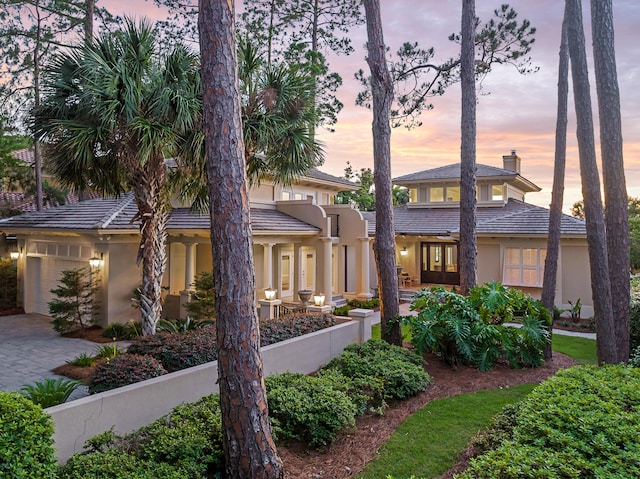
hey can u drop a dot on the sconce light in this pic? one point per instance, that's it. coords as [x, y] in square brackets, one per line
[16, 254]
[270, 294]
[95, 261]
[403, 251]
[318, 299]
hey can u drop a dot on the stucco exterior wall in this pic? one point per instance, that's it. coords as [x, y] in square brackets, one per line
[576, 277]
[123, 277]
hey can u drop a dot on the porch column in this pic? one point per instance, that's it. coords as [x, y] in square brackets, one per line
[297, 268]
[190, 266]
[327, 269]
[363, 277]
[189, 277]
[267, 277]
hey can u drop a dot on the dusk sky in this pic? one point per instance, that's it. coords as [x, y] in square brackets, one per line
[515, 112]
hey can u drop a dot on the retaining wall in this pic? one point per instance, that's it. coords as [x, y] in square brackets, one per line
[130, 407]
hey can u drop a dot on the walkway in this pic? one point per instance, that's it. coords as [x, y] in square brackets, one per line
[30, 348]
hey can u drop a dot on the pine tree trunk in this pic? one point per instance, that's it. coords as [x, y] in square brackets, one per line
[384, 245]
[557, 193]
[615, 190]
[249, 450]
[468, 248]
[88, 21]
[593, 212]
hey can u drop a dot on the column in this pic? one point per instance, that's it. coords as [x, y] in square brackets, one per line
[268, 265]
[364, 281]
[297, 268]
[189, 277]
[327, 269]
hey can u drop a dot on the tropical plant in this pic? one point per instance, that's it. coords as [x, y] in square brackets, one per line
[50, 392]
[181, 325]
[75, 306]
[25, 439]
[108, 351]
[114, 108]
[82, 360]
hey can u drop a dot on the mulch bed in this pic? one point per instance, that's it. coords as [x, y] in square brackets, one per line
[348, 456]
[92, 333]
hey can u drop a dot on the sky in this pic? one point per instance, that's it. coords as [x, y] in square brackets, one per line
[515, 112]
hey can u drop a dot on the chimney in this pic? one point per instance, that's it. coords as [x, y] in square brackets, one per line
[511, 162]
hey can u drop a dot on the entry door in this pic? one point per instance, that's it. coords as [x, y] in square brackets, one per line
[309, 270]
[439, 263]
[286, 274]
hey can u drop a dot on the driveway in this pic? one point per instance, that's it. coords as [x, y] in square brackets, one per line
[30, 348]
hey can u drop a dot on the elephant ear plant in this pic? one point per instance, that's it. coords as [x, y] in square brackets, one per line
[470, 330]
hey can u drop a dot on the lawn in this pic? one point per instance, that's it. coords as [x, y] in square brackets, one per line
[445, 426]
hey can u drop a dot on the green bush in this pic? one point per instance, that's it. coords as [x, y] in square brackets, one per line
[202, 304]
[8, 284]
[114, 464]
[26, 447]
[293, 325]
[399, 370]
[372, 303]
[469, 330]
[122, 370]
[500, 429]
[50, 392]
[121, 331]
[634, 313]
[306, 408]
[82, 360]
[582, 423]
[75, 306]
[342, 310]
[181, 325]
[186, 443]
[634, 359]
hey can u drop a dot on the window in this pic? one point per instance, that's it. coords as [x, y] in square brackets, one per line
[524, 266]
[413, 195]
[453, 193]
[436, 194]
[286, 195]
[497, 193]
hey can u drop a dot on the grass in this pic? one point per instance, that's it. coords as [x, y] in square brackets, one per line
[582, 350]
[443, 428]
[406, 332]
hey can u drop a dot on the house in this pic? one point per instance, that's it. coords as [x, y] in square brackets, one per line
[511, 234]
[301, 241]
[304, 241]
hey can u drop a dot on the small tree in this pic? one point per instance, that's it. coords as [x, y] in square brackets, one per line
[8, 284]
[75, 308]
[202, 305]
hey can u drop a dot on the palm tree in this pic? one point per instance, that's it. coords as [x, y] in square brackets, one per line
[276, 103]
[115, 108]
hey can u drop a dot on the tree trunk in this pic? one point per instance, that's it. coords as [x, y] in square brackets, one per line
[148, 188]
[557, 193]
[593, 212]
[37, 155]
[88, 21]
[384, 245]
[615, 190]
[468, 150]
[249, 449]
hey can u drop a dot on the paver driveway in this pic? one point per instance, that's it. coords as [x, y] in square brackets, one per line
[30, 348]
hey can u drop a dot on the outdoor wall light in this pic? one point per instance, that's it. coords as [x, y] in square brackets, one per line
[16, 254]
[96, 261]
[318, 299]
[404, 251]
[270, 294]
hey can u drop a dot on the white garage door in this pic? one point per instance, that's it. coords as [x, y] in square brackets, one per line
[47, 274]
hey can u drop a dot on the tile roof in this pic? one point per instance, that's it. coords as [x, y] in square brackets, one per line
[25, 154]
[321, 175]
[116, 214]
[516, 217]
[451, 172]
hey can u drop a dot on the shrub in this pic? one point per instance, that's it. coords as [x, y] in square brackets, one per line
[26, 446]
[306, 408]
[469, 330]
[186, 441]
[202, 304]
[8, 284]
[178, 351]
[293, 325]
[500, 429]
[372, 303]
[82, 360]
[342, 310]
[75, 306]
[108, 351]
[119, 465]
[122, 370]
[50, 392]
[120, 331]
[181, 325]
[634, 359]
[399, 370]
[634, 313]
[583, 422]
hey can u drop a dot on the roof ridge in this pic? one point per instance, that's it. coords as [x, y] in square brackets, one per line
[116, 210]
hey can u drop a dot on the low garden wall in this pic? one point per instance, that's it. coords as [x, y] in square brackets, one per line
[130, 407]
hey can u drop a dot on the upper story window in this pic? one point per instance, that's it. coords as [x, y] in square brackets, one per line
[497, 192]
[436, 194]
[297, 195]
